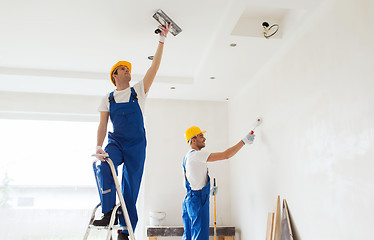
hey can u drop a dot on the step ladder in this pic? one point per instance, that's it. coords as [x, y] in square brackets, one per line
[121, 204]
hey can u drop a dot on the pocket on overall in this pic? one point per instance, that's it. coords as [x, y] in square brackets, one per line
[194, 205]
[132, 118]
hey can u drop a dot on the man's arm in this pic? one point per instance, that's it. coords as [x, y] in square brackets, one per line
[102, 129]
[151, 73]
[226, 154]
[248, 139]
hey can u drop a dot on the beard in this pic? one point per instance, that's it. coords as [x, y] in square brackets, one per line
[128, 78]
[201, 146]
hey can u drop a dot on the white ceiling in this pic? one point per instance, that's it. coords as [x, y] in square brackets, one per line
[69, 46]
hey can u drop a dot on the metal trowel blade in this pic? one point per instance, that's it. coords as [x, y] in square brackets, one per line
[162, 18]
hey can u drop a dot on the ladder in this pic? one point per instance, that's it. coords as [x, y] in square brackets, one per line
[121, 204]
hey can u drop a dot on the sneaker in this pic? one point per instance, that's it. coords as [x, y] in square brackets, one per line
[104, 221]
[122, 235]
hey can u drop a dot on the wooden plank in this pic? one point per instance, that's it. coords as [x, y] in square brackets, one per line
[178, 231]
[269, 227]
[276, 227]
[286, 232]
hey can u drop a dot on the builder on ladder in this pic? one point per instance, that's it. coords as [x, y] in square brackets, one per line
[127, 143]
[196, 203]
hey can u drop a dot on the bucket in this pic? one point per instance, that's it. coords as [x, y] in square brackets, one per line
[156, 218]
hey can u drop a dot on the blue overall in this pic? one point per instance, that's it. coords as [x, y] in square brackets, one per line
[127, 145]
[196, 211]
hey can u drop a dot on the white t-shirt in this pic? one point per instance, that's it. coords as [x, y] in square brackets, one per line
[124, 96]
[196, 168]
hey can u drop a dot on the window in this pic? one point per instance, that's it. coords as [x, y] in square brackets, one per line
[47, 153]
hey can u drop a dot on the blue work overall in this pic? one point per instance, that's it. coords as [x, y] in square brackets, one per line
[196, 211]
[126, 144]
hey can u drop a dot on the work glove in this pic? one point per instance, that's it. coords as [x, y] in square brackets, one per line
[164, 32]
[249, 138]
[100, 150]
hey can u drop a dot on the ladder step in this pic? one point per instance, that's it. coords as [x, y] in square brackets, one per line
[116, 227]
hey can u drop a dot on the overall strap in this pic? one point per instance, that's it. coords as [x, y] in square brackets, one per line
[184, 167]
[111, 97]
[133, 96]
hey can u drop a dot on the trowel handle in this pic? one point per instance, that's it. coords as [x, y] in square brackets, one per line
[157, 31]
[214, 182]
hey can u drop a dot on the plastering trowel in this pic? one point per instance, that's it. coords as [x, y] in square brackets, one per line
[162, 18]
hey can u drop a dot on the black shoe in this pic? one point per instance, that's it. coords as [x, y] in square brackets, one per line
[122, 235]
[104, 221]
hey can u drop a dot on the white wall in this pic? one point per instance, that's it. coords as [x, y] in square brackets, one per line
[315, 147]
[166, 122]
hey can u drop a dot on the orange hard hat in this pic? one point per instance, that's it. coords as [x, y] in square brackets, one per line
[120, 63]
[191, 132]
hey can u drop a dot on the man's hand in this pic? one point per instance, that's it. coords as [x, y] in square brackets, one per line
[164, 32]
[100, 150]
[249, 138]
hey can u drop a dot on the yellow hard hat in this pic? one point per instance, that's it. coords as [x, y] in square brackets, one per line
[191, 132]
[120, 63]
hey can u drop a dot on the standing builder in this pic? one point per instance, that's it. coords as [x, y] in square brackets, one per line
[196, 203]
[127, 143]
